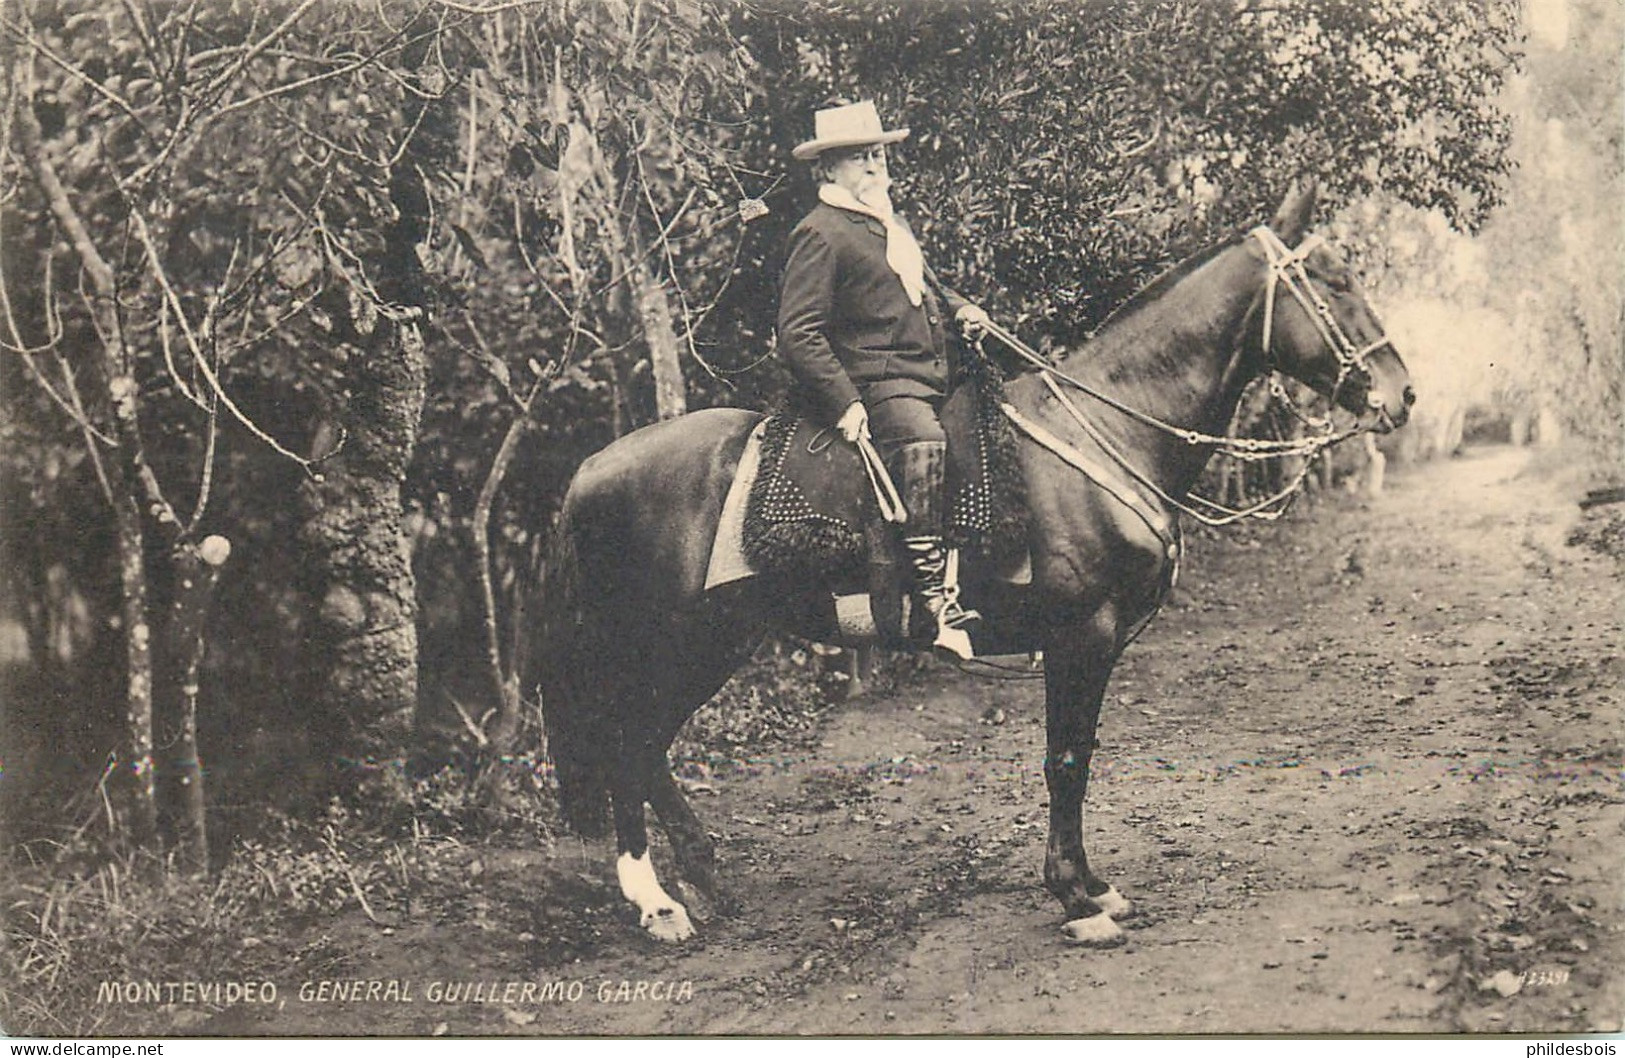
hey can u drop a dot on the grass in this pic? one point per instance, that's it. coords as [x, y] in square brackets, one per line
[63, 936]
[76, 915]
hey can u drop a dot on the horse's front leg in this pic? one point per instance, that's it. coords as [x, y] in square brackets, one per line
[658, 912]
[1076, 670]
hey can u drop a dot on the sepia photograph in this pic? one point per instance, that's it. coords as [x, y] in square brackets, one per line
[588, 519]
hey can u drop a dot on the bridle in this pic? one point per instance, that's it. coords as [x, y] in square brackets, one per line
[1287, 268]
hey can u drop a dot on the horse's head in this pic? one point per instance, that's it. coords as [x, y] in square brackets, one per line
[1318, 327]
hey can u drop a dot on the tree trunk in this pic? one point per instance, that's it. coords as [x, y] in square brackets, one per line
[1376, 466]
[197, 571]
[134, 783]
[138, 798]
[1518, 430]
[638, 309]
[362, 643]
[1548, 427]
[504, 676]
[654, 317]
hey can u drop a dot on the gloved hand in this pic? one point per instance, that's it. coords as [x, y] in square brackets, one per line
[854, 422]
[973, 321]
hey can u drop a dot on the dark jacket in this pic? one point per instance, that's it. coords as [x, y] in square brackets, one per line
[846, 326]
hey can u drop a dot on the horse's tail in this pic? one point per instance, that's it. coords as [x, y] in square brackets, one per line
[579, 730]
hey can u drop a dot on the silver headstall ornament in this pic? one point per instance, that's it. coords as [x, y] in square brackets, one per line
[1287, 268]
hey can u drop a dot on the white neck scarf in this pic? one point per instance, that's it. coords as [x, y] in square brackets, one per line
[902, 252]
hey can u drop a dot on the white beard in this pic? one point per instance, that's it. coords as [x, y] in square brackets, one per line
[876, 194]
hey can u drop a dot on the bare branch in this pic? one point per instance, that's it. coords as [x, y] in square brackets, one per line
[475, 731]
[276, 248]
[156, 266]
[91, 434]
[141, 32]
[56, 199]
[248, 340]
[664, 244]
[223, 82]
[337, 250]
[53, 319]
[493, 364]
[210, 323]
[504, 683]
[202, 362]
[70, 404]
[696, 319]
[122, 389]
[206, 475]
[77, 74]
[168, 348]
[190, 113]
[406, 139]
[294, 86]
[489, 9]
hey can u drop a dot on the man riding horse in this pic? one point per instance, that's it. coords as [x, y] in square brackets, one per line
[862, 326]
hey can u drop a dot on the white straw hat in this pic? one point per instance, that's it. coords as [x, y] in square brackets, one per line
[853, 125]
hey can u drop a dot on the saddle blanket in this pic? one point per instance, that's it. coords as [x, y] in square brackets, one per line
[728, 563]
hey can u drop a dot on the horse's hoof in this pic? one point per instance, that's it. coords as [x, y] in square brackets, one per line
[669, 924]
[1096, 931]
[1115, 904]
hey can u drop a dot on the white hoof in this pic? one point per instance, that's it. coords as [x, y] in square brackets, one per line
[669, 924]
[1096, 931]
[1114, 904]
[663, 917]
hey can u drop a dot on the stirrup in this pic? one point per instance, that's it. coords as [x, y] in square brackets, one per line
[948, 610]
[954, 641]
[951, 619]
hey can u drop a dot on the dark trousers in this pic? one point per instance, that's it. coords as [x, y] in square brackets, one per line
[898, 421]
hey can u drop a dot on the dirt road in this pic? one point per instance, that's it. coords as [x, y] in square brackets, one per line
[1364, 776]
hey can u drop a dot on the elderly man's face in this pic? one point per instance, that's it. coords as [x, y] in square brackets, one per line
[860, 170]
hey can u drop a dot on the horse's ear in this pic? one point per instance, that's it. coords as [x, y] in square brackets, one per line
[1292, 219]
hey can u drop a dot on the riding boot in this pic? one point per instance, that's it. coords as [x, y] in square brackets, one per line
[923, 467]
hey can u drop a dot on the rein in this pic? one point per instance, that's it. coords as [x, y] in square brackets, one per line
[1286, 268]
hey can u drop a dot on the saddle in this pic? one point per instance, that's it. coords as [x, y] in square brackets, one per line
[801, 511]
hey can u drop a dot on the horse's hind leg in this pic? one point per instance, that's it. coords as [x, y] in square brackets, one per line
[721, 636]
[691, 847]
[1074, 682]
[658, 911]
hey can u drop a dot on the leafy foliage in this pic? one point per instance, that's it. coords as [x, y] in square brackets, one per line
[588, 172]
[1062, 153]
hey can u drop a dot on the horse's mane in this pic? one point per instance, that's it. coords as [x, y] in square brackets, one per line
[1173, 274]
[1117, 351]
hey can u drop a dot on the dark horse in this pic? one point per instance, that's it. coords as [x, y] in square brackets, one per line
[633, 644]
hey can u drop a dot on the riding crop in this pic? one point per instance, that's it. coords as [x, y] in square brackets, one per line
[891, 504]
